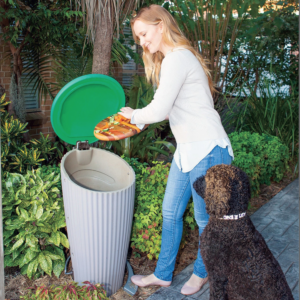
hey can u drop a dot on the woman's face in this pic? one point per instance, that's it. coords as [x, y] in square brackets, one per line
[150, 35]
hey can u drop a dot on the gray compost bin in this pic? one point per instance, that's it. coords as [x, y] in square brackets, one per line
[98, 186]
[98, 192]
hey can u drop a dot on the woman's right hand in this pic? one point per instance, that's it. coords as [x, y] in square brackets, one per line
[126, 112]
[167, 117]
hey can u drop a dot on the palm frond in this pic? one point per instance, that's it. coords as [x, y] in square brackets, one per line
[37, 67]
[70, 67]
[118, 52]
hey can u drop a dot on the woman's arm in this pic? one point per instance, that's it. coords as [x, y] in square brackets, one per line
[173, 75]
[127, 112]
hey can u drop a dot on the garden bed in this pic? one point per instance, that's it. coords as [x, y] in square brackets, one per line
[16, 284]
[188, 254]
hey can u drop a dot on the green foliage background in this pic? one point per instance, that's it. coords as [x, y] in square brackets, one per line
[261, 157]
[267, 43]
[17, 156]
[33, 215]
[67, 291]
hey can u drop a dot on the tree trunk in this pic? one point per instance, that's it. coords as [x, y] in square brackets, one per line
[102, 45]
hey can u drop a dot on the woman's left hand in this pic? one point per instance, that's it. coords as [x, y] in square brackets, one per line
[126, 112]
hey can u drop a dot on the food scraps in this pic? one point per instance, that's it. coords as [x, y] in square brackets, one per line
[115, 119]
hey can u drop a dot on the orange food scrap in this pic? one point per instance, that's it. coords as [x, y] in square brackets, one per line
[120, 118]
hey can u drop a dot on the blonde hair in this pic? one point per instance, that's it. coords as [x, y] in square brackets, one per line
[172, 36]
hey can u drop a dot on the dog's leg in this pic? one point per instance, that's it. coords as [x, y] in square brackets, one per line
[218, 288]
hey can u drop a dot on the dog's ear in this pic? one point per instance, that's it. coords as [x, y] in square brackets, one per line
[200, 186]
[218, 190]
[240, 191]
[217, 197]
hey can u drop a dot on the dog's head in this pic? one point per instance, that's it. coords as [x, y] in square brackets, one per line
[225, 190]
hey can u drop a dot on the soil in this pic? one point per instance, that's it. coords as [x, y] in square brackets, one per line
[17, 284]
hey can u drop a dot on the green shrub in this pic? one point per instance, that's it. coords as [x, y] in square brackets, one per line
[147, 223]
[262, 157]
[138, 170]
[68, 291]
[17, 156]
[50, 151]
[136, 166]
[32, 216]
[149, 194]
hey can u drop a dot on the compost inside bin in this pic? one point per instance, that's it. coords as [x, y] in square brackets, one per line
[98, 170]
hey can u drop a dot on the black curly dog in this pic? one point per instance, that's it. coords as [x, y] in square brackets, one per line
[238, 261]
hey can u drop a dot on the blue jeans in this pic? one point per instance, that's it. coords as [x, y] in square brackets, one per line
[178, 192]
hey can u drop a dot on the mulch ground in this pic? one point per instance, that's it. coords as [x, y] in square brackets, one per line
[17, 284]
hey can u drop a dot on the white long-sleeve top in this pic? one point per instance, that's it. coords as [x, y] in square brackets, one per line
[184, 95]
[188, 155]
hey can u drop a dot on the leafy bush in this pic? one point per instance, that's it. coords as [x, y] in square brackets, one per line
[147, 224]
[262, 157]
[17, 156]
[3, 102]
[68, 291]
[32, 216]
[136, 166]
[50, 151]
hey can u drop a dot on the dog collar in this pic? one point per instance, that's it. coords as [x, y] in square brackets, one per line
[233, 217]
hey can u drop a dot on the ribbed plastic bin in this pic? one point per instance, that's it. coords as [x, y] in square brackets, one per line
[98, 193]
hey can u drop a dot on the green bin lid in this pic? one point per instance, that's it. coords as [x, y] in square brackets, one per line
[82, 104]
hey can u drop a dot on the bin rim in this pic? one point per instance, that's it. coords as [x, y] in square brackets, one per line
[106, 192]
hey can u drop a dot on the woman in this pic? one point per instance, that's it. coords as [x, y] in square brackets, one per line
[184, 96]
